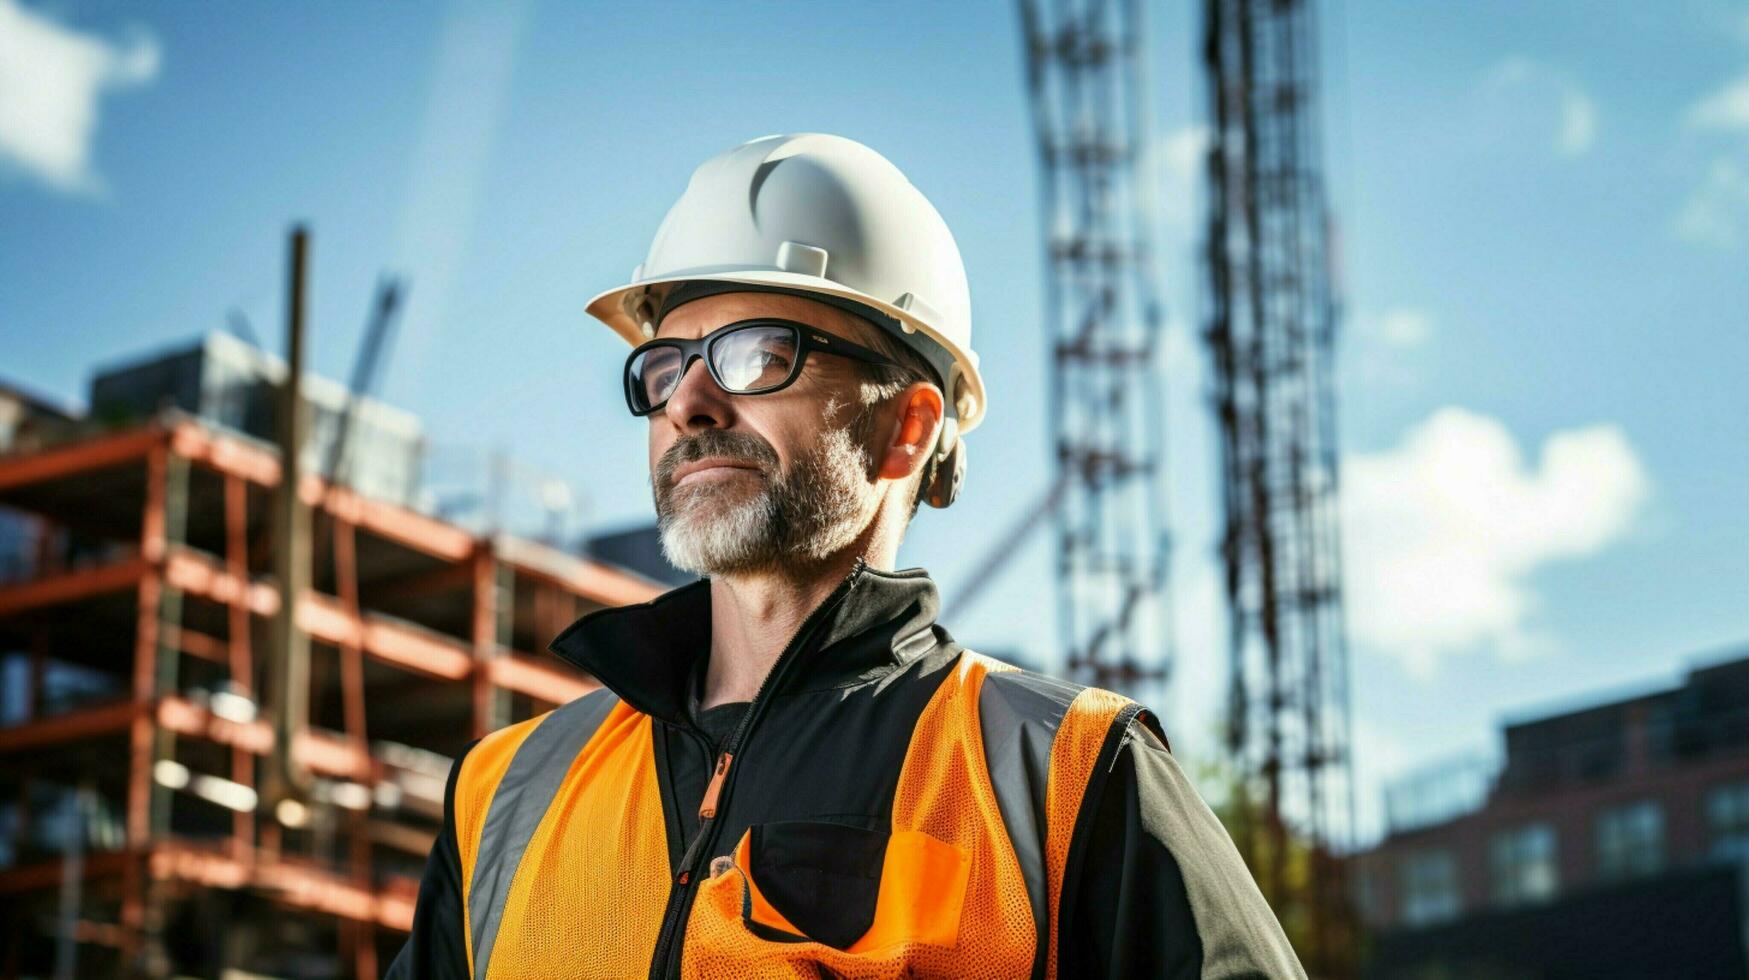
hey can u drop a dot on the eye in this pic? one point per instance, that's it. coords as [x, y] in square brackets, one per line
[754, 357]
[656, 372]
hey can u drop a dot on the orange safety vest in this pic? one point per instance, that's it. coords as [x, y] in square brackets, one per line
[564, 851]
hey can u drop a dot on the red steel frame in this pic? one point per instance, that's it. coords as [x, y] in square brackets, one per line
[161, 567]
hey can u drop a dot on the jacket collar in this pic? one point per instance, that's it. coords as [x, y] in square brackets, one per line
[647, 653]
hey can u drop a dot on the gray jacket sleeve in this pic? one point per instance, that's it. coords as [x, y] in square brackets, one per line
[1155, 887]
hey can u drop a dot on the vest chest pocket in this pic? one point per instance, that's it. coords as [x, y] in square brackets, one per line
[805, 893]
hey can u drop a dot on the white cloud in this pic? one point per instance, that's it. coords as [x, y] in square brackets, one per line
[1442, 533]
[1403, 327]
[1381, 359]
[51, 77]
[1533, 87]
[1578, 122]
[1180, 158]
[1717, 210]
[1728, 108]
[1185, 149]
[1512, 71]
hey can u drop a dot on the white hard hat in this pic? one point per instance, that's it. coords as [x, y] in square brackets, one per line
[820, 214]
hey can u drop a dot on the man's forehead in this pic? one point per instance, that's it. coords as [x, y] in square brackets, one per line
[701, 316]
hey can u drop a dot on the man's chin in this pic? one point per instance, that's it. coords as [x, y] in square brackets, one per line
[717, 537]
[712, 501]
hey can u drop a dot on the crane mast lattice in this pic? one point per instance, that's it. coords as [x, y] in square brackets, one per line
[1271, 331]
[1084, 70]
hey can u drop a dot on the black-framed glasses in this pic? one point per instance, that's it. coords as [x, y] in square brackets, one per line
[747, 357]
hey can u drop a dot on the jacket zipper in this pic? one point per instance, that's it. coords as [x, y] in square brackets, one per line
[680, 890]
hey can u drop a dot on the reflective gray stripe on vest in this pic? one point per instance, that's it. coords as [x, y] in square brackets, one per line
[521, 800]
[1019, 714]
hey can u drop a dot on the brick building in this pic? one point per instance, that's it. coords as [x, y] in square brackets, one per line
[1590, 807]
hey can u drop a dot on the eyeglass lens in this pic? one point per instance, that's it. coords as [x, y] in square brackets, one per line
[744, 361]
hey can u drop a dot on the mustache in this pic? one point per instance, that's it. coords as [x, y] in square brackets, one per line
[737, 446]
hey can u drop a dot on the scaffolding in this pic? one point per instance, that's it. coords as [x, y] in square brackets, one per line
[136, 836]
[1271, 335]
[1086, 77]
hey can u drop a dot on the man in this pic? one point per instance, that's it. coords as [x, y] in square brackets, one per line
[792, 769]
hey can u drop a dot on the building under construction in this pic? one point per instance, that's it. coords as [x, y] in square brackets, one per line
[138, 596]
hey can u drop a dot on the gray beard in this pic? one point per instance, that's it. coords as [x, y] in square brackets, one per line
[801, 517]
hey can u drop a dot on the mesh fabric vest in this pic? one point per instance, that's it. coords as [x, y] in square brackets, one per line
[565, 863]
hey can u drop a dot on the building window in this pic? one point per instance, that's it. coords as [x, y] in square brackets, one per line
[1727, 817]
[1523, 864]
[1630, 840]
[1430, 887]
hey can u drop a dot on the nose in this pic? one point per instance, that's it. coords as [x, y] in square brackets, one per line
[697, 403]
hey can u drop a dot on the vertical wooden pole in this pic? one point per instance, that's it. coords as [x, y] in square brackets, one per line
[290, 691]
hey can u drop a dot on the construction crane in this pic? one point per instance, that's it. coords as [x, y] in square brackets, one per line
[1085, 74]
[1271, 331]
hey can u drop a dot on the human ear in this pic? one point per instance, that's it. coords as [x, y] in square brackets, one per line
[920, 412]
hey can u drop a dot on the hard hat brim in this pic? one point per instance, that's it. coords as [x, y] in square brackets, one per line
[617, 308]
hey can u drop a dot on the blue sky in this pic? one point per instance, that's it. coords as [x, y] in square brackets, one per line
[1544, 223]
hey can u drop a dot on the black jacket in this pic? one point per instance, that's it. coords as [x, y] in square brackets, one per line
[1154, 886]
